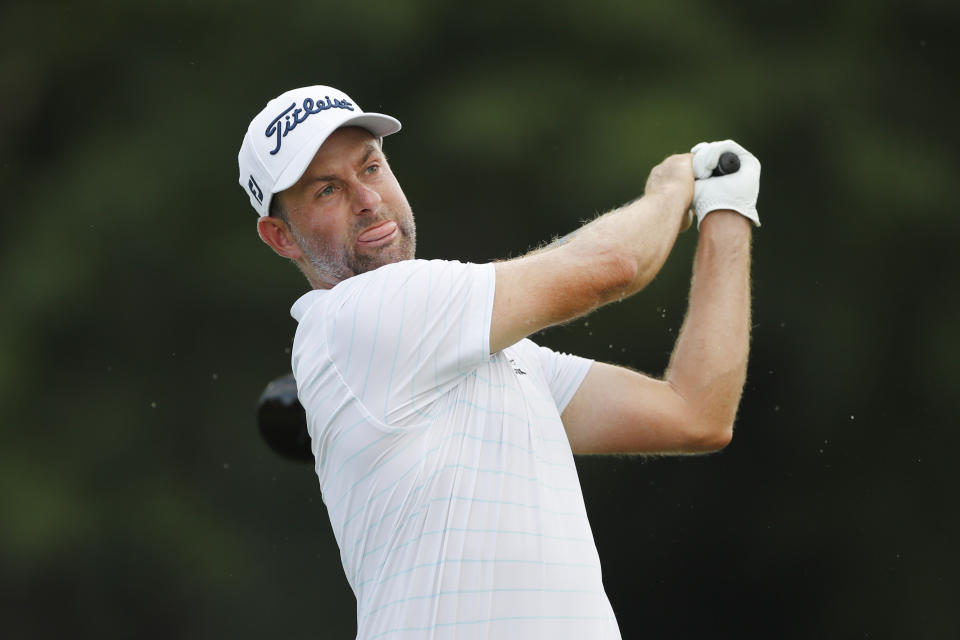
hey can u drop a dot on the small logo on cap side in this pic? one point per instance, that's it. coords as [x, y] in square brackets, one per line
[307, 109]
[255, 190]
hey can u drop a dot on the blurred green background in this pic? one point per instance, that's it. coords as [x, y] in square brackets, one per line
[142, 316]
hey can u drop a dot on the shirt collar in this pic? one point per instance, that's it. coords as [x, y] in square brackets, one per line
[304, 302]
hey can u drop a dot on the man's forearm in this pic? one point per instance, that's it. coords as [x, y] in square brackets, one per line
[645, 230]
[606, 260]
[709, 362]
[642, 232]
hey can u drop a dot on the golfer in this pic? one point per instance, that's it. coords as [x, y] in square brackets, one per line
[443, 436]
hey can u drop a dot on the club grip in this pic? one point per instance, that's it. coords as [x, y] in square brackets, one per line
[729, 163]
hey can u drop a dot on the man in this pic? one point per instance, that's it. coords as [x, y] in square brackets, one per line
[443, 437]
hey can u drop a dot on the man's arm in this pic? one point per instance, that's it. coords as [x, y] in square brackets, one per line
[693, 408]
[615, 409]
[608, 259]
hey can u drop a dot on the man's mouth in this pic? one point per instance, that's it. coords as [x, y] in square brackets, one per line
[378, 235]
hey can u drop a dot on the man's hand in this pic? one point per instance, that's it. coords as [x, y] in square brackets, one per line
[672, 179]
[734, 192]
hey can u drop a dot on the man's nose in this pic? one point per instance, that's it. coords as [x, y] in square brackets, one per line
[366, 199]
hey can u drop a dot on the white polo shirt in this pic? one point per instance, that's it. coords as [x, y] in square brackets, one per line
[446, 471]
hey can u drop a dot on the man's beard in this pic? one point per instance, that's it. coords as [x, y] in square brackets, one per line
[334, 263]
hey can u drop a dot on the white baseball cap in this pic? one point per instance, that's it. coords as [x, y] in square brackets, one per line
[283, 138]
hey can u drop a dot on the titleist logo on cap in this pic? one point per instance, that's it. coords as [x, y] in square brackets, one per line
[294, 115]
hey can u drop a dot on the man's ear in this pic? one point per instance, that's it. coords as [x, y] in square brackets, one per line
[275, 233]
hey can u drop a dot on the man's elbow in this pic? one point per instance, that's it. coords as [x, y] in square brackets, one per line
[709, 437]
[709, 421]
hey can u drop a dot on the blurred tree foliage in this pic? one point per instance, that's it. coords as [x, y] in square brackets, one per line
[142, 315]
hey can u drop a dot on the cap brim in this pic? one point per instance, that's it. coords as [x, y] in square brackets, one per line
[378, 124]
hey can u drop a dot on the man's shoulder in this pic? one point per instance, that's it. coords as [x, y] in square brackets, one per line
[350, 286]
[416, 265]
[381, 284]
[392, 279]
[403, 269]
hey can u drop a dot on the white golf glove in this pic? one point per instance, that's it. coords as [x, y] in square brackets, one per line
[735, 191]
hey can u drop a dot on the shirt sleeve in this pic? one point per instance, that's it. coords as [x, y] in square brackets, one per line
[564, 373]
[404, 334]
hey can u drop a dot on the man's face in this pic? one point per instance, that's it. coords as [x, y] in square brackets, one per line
[347, 212]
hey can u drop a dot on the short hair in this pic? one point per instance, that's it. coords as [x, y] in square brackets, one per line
[277, 210]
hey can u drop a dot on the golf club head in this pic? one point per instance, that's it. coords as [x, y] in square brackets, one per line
[282, 420]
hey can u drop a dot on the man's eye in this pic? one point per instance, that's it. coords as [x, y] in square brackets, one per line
[326, 191]
[374, 168]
